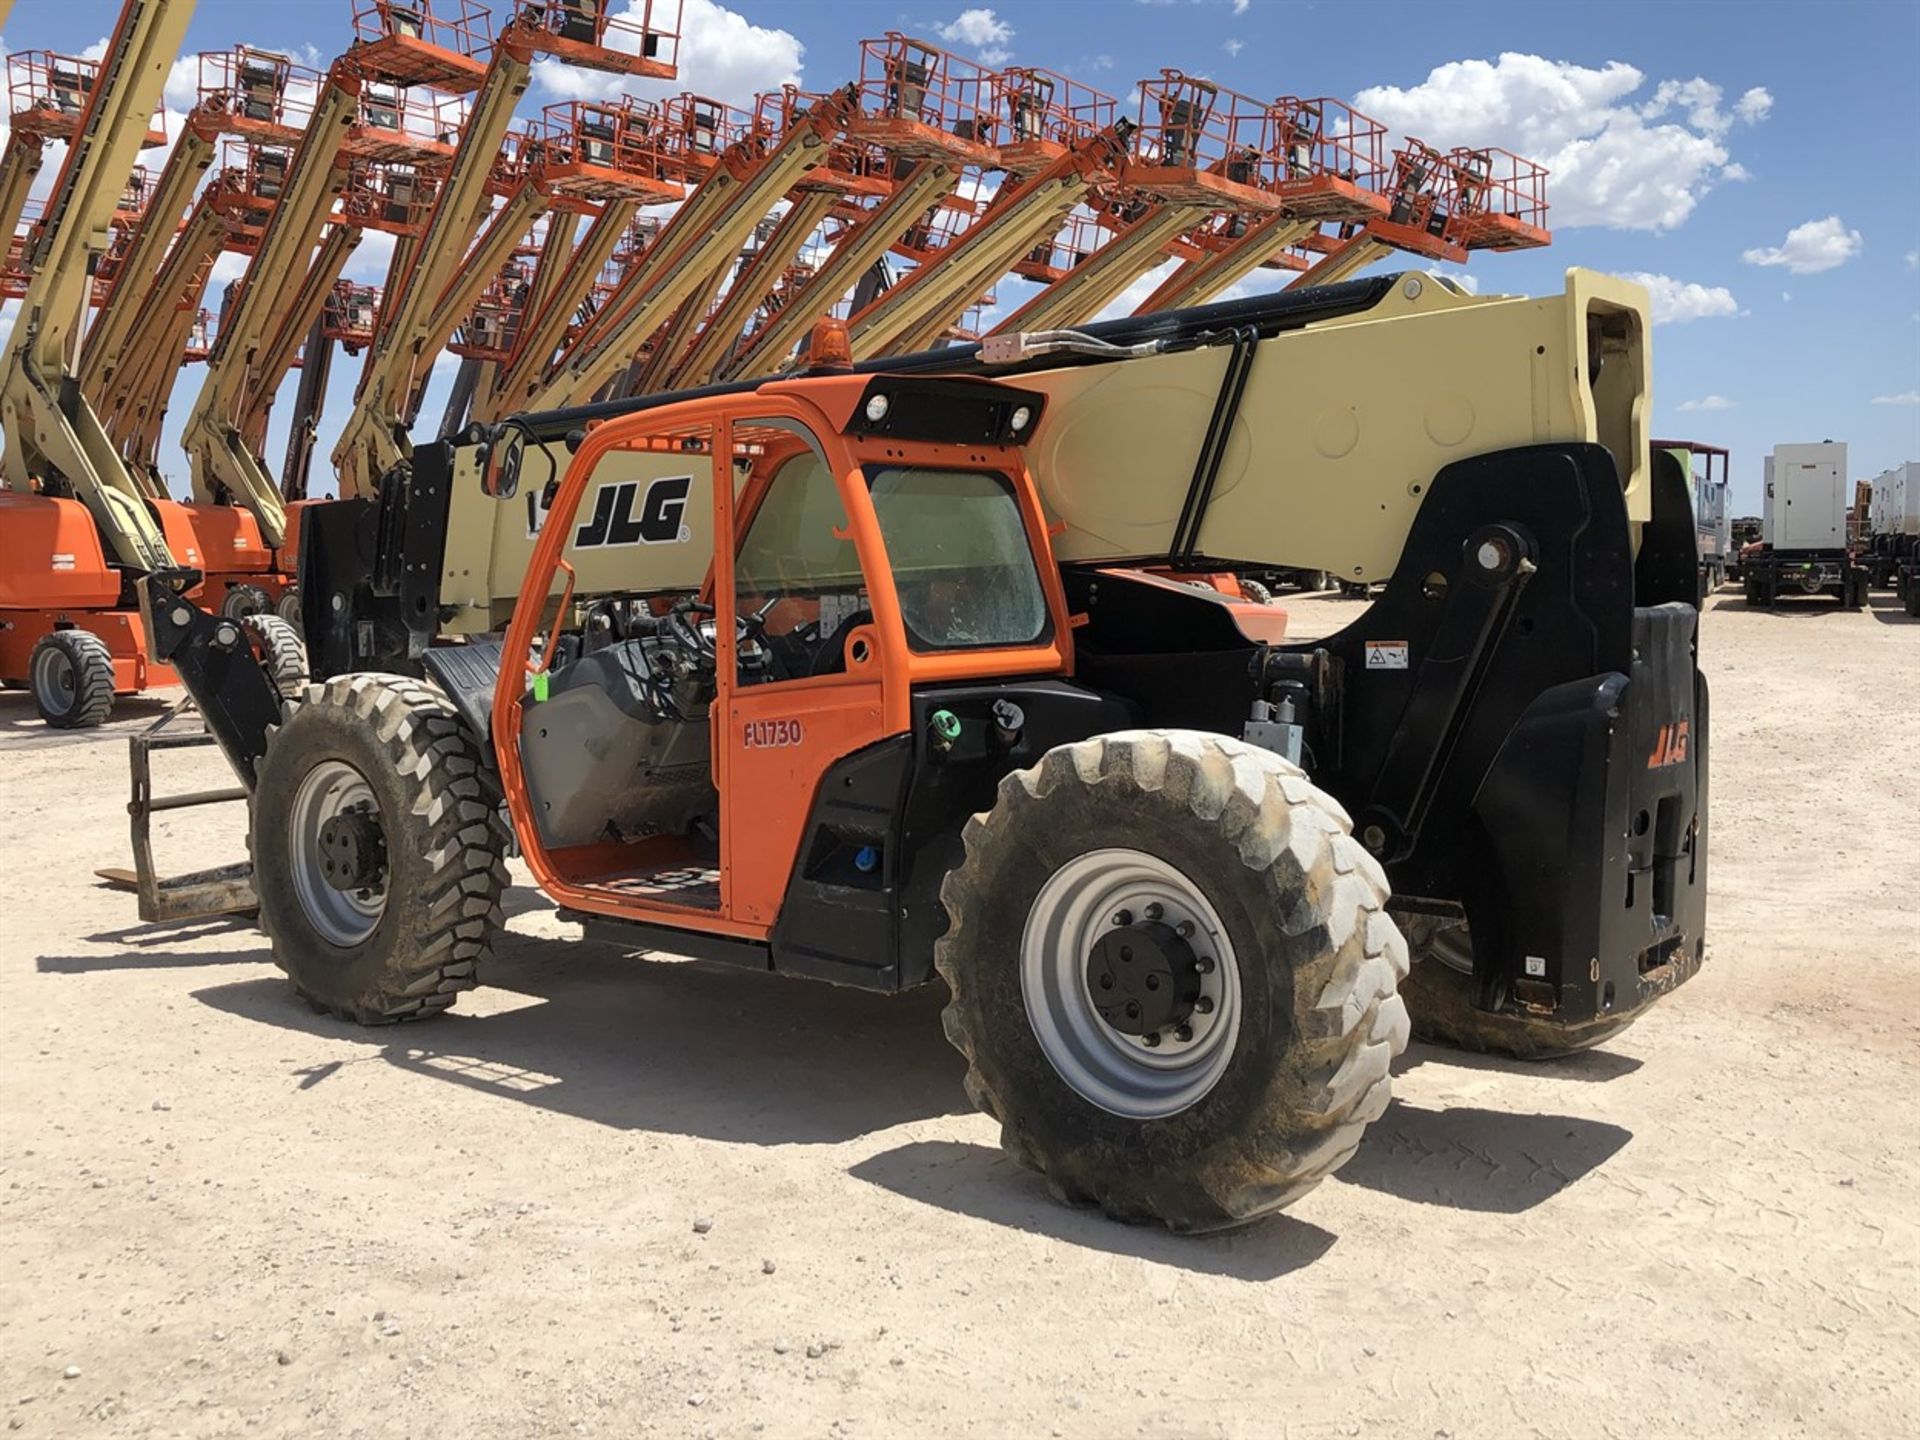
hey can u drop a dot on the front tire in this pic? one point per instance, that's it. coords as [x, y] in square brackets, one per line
[1439, 995]
[71, 672]
[1165, 829]
[378, 849]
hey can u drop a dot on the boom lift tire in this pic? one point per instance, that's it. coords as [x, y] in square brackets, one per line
[276, 645]
[1310, 581]
[244, 600]
[1156, 835]
[72, 679]
[1439, 996]
[287, 607]
[376, 778]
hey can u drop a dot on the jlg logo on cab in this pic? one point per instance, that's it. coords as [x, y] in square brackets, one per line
[771, 734]
[1671, 747]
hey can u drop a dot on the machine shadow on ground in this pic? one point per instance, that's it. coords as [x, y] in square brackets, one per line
[980, 1182]
[20, 717]
[669, 1046]
[705, 1050]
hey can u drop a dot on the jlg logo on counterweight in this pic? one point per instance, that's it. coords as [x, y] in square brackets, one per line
[1671, 746]
[659, 520]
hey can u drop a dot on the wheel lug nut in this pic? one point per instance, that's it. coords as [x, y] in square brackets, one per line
[1204, 964]
[1151, 1039]
[1155, 911]
[1204, 1005]
[1183, 1033]
[1183, 929]
[1123, 917]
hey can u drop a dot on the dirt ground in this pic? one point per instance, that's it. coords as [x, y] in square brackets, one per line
[620, 1196]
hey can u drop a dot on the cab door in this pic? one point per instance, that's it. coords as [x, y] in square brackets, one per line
[799, 681]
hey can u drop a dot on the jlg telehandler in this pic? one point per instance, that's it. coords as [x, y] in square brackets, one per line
[918, 710]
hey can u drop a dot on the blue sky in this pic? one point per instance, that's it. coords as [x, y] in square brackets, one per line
[1761, 162]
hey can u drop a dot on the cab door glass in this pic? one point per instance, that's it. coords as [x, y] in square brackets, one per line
[798, 590]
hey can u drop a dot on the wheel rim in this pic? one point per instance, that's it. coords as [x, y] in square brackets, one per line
[1453, 948]
[1124, 1074]
[343, 917]
[53, 679]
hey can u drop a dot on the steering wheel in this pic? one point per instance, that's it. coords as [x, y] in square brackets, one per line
[686, 632]
[831, 655]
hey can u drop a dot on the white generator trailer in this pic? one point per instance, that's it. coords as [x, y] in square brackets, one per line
[1892, 543]
[1803, 529]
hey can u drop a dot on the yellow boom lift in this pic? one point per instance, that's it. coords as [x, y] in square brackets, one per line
[73, 521]
[465, 243]
[703, 237]
[361, 117]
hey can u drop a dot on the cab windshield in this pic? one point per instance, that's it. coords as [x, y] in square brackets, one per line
[961, 562]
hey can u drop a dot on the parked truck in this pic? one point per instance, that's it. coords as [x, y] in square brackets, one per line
[1803, 529]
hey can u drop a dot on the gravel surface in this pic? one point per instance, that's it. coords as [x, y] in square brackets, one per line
[620, 1196]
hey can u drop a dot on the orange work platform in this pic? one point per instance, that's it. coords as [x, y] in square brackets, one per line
[1200, 143]
[918, 100]
[605, 150]
[1502, 200]
[1333, 160]
[1042, 114]
[48, 92]
[256, 93]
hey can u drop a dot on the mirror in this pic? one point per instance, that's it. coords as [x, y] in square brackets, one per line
[500, 464]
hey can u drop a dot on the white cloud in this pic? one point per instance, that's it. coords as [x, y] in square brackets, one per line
[1754, 106]
[722, 55]
[1234, 47]
[1612, 164]
[1130, 299]
[1710, 402]
[370, 258]
[1810, 248]
[1465, 281]
[982, 30]
[1240, 6]
[228, 265]
[1700, 99]
[1678, 301]
[1913, 259]
[1905, 397]
[183, 83]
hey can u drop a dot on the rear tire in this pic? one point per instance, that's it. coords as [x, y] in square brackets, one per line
[1310, 580]
[1439, 996]
[287, 607]
[1274, 1093]
[241, 601]
[71, 673]
[276, 645]
[1255, 591]
[403, 946]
